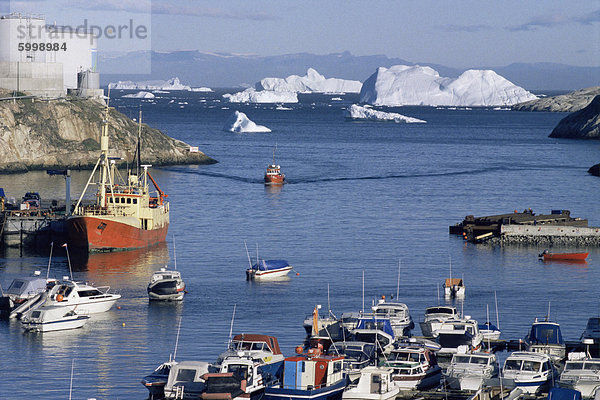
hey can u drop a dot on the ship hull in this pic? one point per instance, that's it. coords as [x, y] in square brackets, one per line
[106, 234]
[274, 179]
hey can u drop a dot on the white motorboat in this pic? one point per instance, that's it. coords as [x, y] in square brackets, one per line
[470, 371]
[414, 366]
[531, 372]
[545, 337]
[398, 314]
[166, 285]
[375, 383]
[458, 332]
[592, 329]
[268, 269]
[24, 294]
[82, 297]
[52, 318]
[255, 346]
[581, 373]
[357, 356]
[454, 288]
[435, 317]
[489, 331]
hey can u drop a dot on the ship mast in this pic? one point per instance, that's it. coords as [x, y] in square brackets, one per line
[104, 171]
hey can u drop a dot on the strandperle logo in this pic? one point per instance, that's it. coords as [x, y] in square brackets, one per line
[130, 31]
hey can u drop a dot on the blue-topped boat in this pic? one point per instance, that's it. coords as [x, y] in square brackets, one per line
[545, 337]
[268, 269]
[377, 330]
[310, 376]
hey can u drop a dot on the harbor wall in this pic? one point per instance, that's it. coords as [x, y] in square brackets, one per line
[540, 234]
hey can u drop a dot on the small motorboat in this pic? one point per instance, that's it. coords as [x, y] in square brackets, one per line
[82, 297]
[435, 317]
[531, 372]
[268, 269]
[52, 318]
[456, 333]
[156, 381]
[273, 176]
[166, 285]
[399, 316]
[545, 337]
[581, 373]
[454, 288]
[469, 371]
[573, 257]
[375, 383]
[414, 366]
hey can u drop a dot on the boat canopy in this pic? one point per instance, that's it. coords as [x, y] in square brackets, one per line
[441, 310]
[382, 324]
[453, 282]
[269, 265]
[27, 286]
[545, 333]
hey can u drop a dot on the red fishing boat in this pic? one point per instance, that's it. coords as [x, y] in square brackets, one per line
[273, 176]
[548, 256]
[125, 215]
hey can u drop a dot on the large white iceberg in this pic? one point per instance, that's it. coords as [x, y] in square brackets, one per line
[240, 123]
[171, 84]
[357, 112]
[312, 82]
[416, 85]
[252, 95]
[140, 95]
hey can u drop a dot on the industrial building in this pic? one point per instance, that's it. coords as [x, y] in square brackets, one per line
[47, 60]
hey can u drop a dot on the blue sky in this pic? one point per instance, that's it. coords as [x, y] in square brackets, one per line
[458, 33]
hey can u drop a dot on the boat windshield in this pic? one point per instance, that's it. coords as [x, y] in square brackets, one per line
[440, 310]
[403, 356]
[186, 375]
[545, 334]
[461, 359]
[592, 366]
[248, 346]
[239, 370]
[89, 293]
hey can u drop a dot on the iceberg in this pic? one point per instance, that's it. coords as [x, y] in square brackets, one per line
[417, 85]
[140, 95]
[312, 82]
[240, 123]
[356, 112]
[251, 95]
[171, 84]
[201, 89]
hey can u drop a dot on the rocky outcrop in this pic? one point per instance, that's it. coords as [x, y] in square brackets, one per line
[595, 170]
[582, 124]
[570, 102]
[65, 133]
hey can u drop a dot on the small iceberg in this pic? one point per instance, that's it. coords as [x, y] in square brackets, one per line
[252, 95]
[282, 108]
[140, 95]
[366, 113]
[201, 89]
[240, 123]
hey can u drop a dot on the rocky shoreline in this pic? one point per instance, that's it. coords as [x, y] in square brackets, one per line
[569, 102]
[582, 124]
[65, 133]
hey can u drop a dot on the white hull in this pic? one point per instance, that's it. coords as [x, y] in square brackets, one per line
[92, 307]
[73, 322]
[268, 275]
[352, 394]
[457, 292]
[166, 297]
[427, 381]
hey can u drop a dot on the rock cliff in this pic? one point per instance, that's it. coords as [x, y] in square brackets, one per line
[595, 170]
[65, 133]
[570, 102]
[582, 124]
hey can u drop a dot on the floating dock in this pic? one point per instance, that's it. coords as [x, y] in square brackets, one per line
[31, 228]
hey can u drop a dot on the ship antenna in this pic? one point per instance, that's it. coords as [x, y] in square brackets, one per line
[174, 253]
[231, 326]
[71, 384]
[274, 153]
[139, 143]
[177, 338]
[248, 254]
[497, 317]
[398, 284]
[49, 260]
[68, 259]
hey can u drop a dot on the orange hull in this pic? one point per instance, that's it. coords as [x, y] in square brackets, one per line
[99, 234]
[566, 256]
[274, 179]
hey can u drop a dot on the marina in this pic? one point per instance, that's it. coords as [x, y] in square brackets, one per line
[333, 245]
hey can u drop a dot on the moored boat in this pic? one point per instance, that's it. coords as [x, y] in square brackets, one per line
[549, 256]
[581, 373]
[268, 269]
[125, 215]
[414, 366]
[470, 371]
[531, 372]
[399, 316]
[82, 297]
[456, 333]
[545, 337]
[375, 383]
[435, 317]
[52, 318]
[454, 288]
[155, 382]
[166, 285]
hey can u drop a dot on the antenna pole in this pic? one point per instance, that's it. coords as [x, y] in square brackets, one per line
[328, 303]
[68, 259]
[231, 326]
[497, 317]
[49, 260]
[177, 338]
[363, 291]
[139, 143]
[398, 284]
[174, 253]
[248, 254]
[71, 384]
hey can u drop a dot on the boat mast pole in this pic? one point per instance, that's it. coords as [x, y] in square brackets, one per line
[177, 338]
[248, 254]
[71, 384]
[139, 144]
[363, 291]
[49, 260]
[104, 171]
[231, 326]
[174, 253]
[398, 284]
[497, 317]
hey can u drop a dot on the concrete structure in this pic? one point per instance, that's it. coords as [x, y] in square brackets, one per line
[42, 54]
[549, 234]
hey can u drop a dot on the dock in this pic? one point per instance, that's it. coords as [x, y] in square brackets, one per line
[31, 228]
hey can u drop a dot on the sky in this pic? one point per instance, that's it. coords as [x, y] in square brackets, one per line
[460, 34]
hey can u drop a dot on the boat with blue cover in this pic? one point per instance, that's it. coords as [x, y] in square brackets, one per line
[545, 337]
[268, 269]
[310, 376]
[377, 330]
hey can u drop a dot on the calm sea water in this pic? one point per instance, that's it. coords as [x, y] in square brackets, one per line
[361, 198]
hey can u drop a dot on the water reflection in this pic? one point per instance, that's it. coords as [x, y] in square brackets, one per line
[273, 189]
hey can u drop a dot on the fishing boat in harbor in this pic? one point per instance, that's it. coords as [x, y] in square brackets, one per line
[375, 383]
[469, 371]
[414, 366]
[531, 372]
[310, 376]
[274, 176]
[573, 257]
[581, 373]
[166, 285]
[376, 330]
[256, 346]
[125, 214]
[52, 318]
[545, 337]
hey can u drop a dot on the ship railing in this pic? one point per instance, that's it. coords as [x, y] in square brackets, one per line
[98, 211]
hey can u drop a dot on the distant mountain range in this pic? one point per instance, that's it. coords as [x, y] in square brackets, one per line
[196, 68]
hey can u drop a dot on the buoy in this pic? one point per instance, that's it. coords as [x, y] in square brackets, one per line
[297, 273]
[123, 323]
[298, 349]
[59, 297]
[118, 307]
